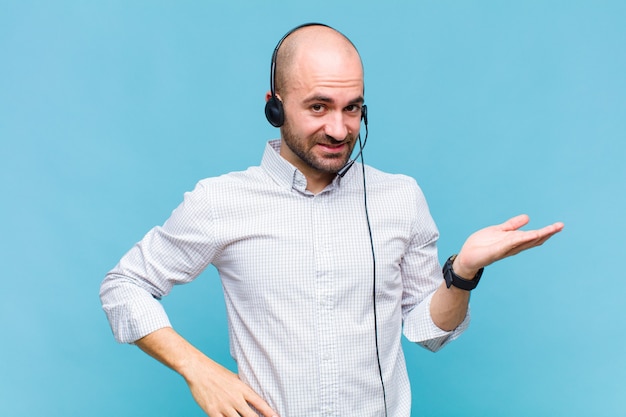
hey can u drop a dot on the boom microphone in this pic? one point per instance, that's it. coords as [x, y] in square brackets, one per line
[351, 162]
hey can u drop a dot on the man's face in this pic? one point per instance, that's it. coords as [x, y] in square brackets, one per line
[322, 112]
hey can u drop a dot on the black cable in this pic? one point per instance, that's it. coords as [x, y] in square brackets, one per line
[369, 229]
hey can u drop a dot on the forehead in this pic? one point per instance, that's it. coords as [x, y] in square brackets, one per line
[327, 70]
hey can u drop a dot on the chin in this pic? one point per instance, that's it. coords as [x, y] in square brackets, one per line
[332, 167]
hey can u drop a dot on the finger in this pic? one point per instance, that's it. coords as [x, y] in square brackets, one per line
[533, 236]
[253, 399]
[515, 223]
[241, 409]
[546, 232]
[521, 239]
[542, 240]
[556, 227]
[235, 413]
[530, 240]
[260, 405]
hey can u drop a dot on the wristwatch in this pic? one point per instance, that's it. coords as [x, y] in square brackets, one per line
[453, 279]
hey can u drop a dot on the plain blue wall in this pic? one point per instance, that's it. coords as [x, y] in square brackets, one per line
[110, 111]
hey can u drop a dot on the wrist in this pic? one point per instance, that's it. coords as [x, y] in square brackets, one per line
[453, 278]
[462, 271]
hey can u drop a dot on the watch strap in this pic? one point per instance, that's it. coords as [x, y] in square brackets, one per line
[453, 279]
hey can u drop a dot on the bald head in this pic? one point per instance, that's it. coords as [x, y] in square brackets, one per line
[306, 45]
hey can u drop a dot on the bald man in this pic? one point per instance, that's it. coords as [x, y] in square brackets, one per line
[318, 287]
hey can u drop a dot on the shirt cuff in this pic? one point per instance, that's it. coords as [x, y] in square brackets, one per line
[420, 328]
[132, 312]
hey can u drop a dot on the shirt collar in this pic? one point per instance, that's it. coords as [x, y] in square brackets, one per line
[288, 176]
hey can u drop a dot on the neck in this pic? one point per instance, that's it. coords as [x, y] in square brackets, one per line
[316, 185]
[316, 179]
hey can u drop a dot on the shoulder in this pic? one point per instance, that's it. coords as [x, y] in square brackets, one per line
[399, 184]
[234, 192]
[399, 196]
[249, 178]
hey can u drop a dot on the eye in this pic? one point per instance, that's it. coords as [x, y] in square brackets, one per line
[353, 108]
[317, 108]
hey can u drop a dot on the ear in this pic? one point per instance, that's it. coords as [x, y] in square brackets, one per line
[268, 95]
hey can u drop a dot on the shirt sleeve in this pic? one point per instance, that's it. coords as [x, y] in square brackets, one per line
[175, 253]
[421, 276]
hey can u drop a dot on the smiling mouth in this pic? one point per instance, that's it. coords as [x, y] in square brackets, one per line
[333, 148]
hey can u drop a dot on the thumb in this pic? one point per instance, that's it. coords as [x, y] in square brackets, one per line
[515, 223]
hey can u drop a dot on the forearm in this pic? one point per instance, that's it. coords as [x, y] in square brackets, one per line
[174, 351]
[448, 306]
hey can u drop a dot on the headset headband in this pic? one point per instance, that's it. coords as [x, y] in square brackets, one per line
[275, 54]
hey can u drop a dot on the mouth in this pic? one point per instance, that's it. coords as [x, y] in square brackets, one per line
[333, 148]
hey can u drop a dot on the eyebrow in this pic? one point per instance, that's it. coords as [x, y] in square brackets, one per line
[325, 99]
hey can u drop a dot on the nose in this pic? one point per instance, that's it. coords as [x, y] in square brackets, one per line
[336, 126]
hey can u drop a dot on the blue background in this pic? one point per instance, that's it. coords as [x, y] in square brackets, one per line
[110, 111]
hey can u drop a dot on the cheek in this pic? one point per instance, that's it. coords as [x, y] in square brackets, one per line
[354, 125]
[310, 126]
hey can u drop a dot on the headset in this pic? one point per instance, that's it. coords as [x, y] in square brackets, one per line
[274, 111]
[275, 114]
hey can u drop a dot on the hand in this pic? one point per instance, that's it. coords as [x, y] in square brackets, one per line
[220, 393]
[493, 243]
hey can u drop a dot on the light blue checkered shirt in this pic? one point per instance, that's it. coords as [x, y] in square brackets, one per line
[297, 275]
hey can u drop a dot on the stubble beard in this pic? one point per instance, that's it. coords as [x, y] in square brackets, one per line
[330, 164]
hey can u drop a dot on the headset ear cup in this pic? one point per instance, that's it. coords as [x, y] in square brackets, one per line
[364, 114]
[274, 111]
